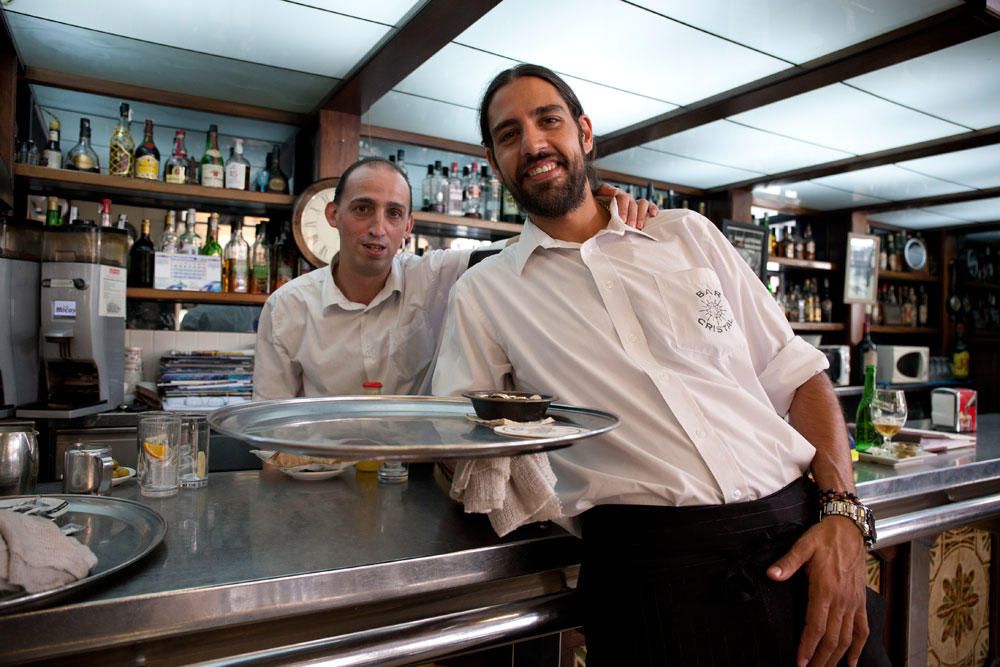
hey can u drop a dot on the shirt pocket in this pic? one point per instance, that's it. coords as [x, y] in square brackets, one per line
[698, 315]
[411, 347]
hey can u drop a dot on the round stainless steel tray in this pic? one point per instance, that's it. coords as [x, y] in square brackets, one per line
[410, 428]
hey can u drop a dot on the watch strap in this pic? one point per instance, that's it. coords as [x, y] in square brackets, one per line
[858, 512]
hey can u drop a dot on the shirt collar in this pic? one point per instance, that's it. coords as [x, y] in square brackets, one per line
[333, 296]
[533, 237]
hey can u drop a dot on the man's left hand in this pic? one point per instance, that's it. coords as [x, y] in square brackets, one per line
[836, 619]
[634, 213]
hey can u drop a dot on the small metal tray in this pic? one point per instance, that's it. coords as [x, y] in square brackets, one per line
[120, 532]
[410, 428]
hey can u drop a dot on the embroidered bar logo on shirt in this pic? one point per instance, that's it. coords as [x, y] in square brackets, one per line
[713, 314]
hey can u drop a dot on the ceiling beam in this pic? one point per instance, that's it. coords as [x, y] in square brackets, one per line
[938, 200]
[956, 142]
[429, 29]
[940, 31]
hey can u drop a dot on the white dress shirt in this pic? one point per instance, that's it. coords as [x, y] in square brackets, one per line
[313, 341]
[669, 329]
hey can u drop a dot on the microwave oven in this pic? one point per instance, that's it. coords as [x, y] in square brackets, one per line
[898, 364]
[839, 357]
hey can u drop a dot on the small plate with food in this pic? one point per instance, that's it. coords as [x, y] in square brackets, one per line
[121, 474]
[307, 468]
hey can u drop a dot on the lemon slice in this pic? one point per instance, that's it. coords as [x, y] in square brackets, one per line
[155, 449]
[202, 468]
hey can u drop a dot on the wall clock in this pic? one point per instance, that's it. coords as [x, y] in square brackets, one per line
[314, 236]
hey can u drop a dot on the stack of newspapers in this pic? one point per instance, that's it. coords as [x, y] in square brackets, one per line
[206, 380]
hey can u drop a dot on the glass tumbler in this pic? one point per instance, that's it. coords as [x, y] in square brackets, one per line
[195, 435]
[159, 438]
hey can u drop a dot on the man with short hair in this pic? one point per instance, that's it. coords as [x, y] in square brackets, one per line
[701, 543]
[374, 314]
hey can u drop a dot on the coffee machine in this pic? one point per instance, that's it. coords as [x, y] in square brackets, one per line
[20, 252]
[82, 321]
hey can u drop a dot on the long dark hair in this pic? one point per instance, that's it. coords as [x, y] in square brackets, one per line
[539, 72]
[371, 162]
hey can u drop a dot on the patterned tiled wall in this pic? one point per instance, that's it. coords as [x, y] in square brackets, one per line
[959, 599]
[156, 343]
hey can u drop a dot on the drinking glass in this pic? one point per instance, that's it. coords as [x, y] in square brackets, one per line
[888, 414]
[159, 439]
[193, 465]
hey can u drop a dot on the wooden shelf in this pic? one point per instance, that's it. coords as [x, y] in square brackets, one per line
[894, 329]
[817, 326]
[979, 284]
[802, 263]
[86, 185]
[474, 223]
[911, 276]
[147, 294]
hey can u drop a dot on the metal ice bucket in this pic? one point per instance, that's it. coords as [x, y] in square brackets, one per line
[18, 460]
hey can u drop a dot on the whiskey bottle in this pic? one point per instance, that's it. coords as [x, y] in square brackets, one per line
[810, 244]
[121, 147]
[260, 261]
[237, 168]
[276, 182]
[147, 156]
[141, 259]
[82, 156]
[236, 262]
[52, 155]
[212, 165]
[176, 168]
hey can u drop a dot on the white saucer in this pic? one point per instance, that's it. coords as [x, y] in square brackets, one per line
[315, 473]
[529, 430]
[115, 481]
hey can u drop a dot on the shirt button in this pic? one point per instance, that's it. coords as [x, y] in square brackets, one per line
[609, 285]
[737, 494]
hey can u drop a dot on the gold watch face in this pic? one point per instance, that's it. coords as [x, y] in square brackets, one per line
[315, 235]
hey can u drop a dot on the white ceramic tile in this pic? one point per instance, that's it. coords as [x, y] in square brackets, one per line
[823, 198]
[400, 111]
[728, 143]
[187, 341]
[794, 30]
[846, 119]
[975, 167]
[618, 44]
[673, 168]
[890, 182]
[164, 341]
[960, 83]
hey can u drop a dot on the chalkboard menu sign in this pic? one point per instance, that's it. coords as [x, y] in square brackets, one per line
[751, 243]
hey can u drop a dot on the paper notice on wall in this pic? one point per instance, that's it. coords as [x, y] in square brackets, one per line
[111, 295]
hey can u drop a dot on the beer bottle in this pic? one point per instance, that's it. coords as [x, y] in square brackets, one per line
[865, 435]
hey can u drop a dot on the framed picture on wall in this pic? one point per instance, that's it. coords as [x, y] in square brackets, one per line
[750, 242]
[861, 278]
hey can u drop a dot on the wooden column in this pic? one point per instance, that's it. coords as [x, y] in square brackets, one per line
[8, 105]
[337, 142]
[740, 202]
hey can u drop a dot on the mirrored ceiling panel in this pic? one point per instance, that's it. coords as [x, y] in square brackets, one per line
[652, 164]
[915, 218]
[725, 142]
[807, 194]
[847, 119]
[279, 34]
[794, 30]
[609, 108]
[389, 12]
[960, 84]
[400, 111]
[890, 182]
[979, 210]
[974, 167]
[620, 45]
[87, 53]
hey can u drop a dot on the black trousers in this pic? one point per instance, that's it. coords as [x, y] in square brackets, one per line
[688, 586]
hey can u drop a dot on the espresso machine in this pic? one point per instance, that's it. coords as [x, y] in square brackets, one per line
[82, 321]
[20, 252]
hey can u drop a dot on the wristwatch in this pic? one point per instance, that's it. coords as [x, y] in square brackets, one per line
[859, 513]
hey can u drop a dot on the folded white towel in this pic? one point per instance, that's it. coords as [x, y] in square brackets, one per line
[511, 491]
[38, 556]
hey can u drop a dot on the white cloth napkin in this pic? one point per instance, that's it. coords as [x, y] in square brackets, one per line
[510, 490]
[36, 556]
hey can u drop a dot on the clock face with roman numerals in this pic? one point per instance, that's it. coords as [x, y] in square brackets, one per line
[316, 239]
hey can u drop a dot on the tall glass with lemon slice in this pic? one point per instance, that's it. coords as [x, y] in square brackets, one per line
[193, 466]
[159, 438]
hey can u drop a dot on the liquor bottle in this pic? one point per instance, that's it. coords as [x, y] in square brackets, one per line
[960, 354]
[276, 182]
[236, 262]
[883, 254]
[53, 218]
[260, 261]
[283, 257]
[187, 243]
[168, 242]
[453, 199]
[263, 175]
[141, 259]
[922, 309]
[438, 189]
[176, 168]
[121, 147]
[867, 353]
[193, 174]
[893, 255]
[492, 195]
[147, 156]
[772, 241]
[82, 156]
[865, 435]
[810, 244]
[427, 190]
[900, 246]
[800, 247]
[401, 161]
[52, 155]
[472, 196]
[105, 212]
[237, 168]
[212, 246]
[212, 165]
[509, 210]
[826, 307]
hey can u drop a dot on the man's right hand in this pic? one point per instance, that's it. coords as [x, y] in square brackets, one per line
[634, 213]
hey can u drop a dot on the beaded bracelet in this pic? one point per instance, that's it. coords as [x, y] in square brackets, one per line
[829, 495]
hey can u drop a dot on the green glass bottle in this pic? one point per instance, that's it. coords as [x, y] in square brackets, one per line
[865, 435]
[212, 246]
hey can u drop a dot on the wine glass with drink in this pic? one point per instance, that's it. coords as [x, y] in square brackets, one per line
[888, 412]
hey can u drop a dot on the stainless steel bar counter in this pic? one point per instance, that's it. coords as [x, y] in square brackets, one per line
[274, 570]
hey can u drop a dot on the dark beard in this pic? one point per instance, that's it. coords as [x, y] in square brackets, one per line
[553, 200]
